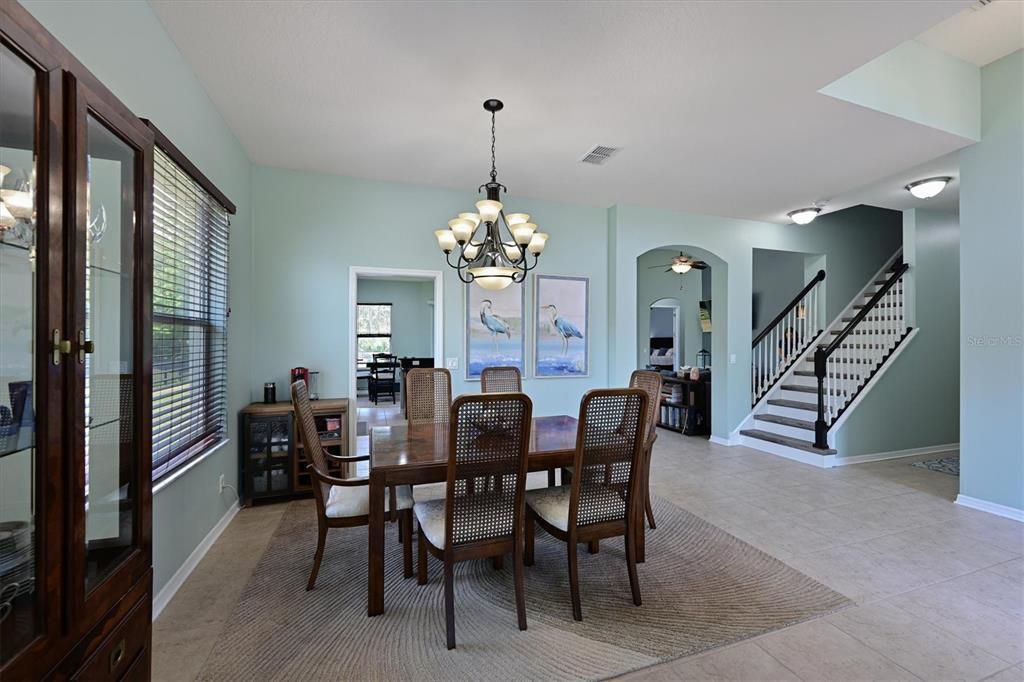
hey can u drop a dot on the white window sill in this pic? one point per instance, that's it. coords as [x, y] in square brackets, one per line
[181, 471]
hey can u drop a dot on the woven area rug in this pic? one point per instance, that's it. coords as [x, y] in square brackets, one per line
[701, 588]
[945, 465]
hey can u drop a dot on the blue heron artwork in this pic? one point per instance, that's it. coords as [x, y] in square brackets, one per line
[494, 328]
[562, 316]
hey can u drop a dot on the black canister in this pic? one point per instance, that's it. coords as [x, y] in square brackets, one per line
[270, 393]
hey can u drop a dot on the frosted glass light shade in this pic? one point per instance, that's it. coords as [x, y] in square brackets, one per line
[462, 229]
[802, 216]
[514, 219]
[489, 209]
[445, 239]
[492, 278]
[6, 219]
[471, 217]
[4, 170]
[926, 189]
[523, 232]
[512, 252]
[471, 250]
[18, 202]
[537, 242]
[681, 268]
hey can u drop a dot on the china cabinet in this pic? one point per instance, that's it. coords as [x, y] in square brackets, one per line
[75, 367]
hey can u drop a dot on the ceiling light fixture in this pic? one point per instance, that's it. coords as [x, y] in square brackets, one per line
[493, 261]
[929, 187]
[802, 216]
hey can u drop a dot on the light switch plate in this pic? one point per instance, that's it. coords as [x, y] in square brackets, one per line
[451, 363]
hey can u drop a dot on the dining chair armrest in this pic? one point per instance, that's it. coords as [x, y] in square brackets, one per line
[348, 458]
[331, 480]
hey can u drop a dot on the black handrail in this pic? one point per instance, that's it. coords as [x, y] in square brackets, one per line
[792, 304]
[823, 352]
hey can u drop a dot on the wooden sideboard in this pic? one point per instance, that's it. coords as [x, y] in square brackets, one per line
[272, 464]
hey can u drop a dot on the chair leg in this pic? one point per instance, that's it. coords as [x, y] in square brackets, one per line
[634, 580]
[421, 568]
[594, 546]
[517, 572]
[574, 581]
[405, 533]
[320, 541]
[529, 531]
[650, 511]
[449, 602]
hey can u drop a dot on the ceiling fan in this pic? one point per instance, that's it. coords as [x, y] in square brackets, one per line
[682, 264]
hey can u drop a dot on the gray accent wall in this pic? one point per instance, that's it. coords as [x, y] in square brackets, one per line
[778, 276]
[992, 293]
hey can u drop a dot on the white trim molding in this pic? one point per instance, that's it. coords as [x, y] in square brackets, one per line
[728, 442]
[897, 454]
[171, 587]
[1003, 510]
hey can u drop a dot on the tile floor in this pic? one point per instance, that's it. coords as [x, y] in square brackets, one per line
[937, 587]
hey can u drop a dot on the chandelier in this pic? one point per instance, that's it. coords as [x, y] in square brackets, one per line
[495, 258]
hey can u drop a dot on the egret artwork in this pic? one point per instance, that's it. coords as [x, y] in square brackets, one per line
[562, 326]
[494, 329]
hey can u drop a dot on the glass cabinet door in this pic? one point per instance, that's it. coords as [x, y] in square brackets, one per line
[108, 341]
[26, 379]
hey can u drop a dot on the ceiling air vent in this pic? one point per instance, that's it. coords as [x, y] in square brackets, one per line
[598, 155]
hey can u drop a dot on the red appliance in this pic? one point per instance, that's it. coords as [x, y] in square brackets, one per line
[300, 373]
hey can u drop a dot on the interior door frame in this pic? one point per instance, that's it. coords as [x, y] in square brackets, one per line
[676, 308]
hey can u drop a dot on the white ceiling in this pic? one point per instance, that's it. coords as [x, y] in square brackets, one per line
[714, 104]
[980, 34]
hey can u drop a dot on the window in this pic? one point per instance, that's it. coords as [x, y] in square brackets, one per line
[373, 330]
[190, 315]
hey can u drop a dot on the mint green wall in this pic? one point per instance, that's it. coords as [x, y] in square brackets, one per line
[125, 46]
[778, 276]
[856, 243]
[412, 313]
[992, 293]
[653, 284]
[334, 222]
[919, 83]
[915, 403]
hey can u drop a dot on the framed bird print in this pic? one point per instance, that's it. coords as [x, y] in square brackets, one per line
[495, 328]
[562, 339]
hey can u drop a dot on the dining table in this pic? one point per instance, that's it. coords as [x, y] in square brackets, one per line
[418, 454]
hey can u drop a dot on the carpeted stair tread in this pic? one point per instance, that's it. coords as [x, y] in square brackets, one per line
[779, 439]
[785, 421]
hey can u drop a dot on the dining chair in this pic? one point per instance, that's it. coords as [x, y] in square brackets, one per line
[428, 397]
[650, 383]
[343, 502]
[601, 500]
[488, 436]
[383, 376]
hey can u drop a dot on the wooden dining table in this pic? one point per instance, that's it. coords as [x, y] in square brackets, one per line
[416, 455]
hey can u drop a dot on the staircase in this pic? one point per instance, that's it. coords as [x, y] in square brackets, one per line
[812, 390]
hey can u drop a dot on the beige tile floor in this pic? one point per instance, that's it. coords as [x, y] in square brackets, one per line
[937, 587]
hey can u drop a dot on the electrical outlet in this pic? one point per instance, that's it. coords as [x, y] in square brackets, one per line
[220, 484]
[452, 363]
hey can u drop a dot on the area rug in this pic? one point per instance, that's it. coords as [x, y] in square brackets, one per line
[945, 465]
[701, 587]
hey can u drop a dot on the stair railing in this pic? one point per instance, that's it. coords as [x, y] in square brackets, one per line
[845, 365]
[785, 338]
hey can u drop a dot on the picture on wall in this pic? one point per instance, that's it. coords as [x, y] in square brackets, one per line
[705, 316]
[495, 328]
[562, 341]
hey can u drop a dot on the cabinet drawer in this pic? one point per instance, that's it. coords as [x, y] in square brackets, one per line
[121, 649]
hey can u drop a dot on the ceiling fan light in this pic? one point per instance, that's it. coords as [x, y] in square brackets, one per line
[681, 268]
[523, 233]
[514, 219]
[489, 209]
[803, 216]
[929, 187]
[462, 229]
[446, 240]
[537, 243]
[492, 278]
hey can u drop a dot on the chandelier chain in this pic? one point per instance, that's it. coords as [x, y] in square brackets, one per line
[494, 170]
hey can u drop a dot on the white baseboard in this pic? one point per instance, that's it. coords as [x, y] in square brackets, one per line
[991, 507]
[897, 454]
[167, 592]
[718, 440]
[796, 454]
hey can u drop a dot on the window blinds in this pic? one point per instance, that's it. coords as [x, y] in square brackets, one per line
[190, 316]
